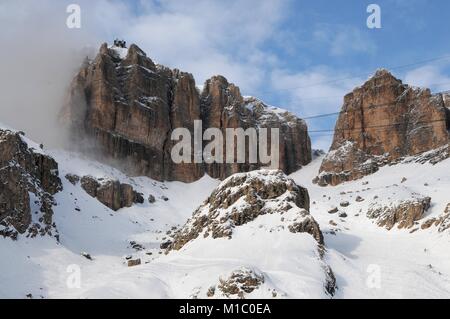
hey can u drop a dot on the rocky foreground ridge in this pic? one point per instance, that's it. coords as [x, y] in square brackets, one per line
[243, 200]
[382, 122]
[29, 179]
[128, 106]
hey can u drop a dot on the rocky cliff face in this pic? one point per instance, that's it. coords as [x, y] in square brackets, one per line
[383, 121]
[127, 107]
[29, 179]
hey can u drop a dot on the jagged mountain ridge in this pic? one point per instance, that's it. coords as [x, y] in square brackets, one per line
[128, 106]
[382, 122]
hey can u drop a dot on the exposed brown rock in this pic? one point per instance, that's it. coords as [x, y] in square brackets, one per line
[24, 171]
[224, 107]
[129, 106]
[72, 178]
[404, 214]
[111, 193]
[240, 283]
[133, 262]
[381, 122]
[243, 197]
[442, 222]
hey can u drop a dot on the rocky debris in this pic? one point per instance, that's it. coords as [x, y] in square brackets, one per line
[242, 198]
[139, 198]
[73, 179]
[211, 291]
[151, 199]
[165, 245]
[442, 222]
[29, 179]
[330, 283]
[342, 214]
[334, 210]
[383, 122]
[404, 179]
[165, 198]
[129, 106]
[359, 199]
[86, 255]
[134, 262]
[136, 246]
[240, 282]
[111, 193]
[404, 213]
[344, 204]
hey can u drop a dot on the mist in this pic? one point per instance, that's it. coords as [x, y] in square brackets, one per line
[39, 56]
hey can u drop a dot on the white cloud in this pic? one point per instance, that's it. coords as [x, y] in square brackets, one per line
[314, 91]
[40, 54]
[319, 90]
[342, 39]
[209, 37]
[429, 76]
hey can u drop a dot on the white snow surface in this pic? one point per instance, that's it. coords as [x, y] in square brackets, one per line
[368, 261]
[121, 52]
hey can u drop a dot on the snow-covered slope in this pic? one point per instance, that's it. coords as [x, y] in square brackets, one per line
[368, 261]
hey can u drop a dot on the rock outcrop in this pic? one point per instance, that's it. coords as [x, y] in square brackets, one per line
[442, 222]
[242, 198]
[127, 107]
[29, 179]
[255, 215]
[381, 122]
[404, 213]
[240, 283]
[110, 193]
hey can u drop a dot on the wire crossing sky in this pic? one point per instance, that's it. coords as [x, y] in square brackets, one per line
[303, 56]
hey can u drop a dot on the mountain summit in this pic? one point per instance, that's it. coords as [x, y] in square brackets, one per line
[129, 106]
[381, 122]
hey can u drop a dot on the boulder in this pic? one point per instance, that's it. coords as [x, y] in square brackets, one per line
[151, 199]
[240, 282]
[404, 213]
[133, 262]
[111, 193]
[72, 178]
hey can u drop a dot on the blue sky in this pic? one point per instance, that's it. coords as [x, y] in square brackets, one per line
[284, 52]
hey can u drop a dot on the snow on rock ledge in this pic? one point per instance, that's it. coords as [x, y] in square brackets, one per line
[241, 199]
[383, 122]
[442, 221]
[404, 213]
[28, 181]
[249, 219]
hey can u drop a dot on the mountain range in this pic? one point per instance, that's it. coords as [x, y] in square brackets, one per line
[112, 216]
